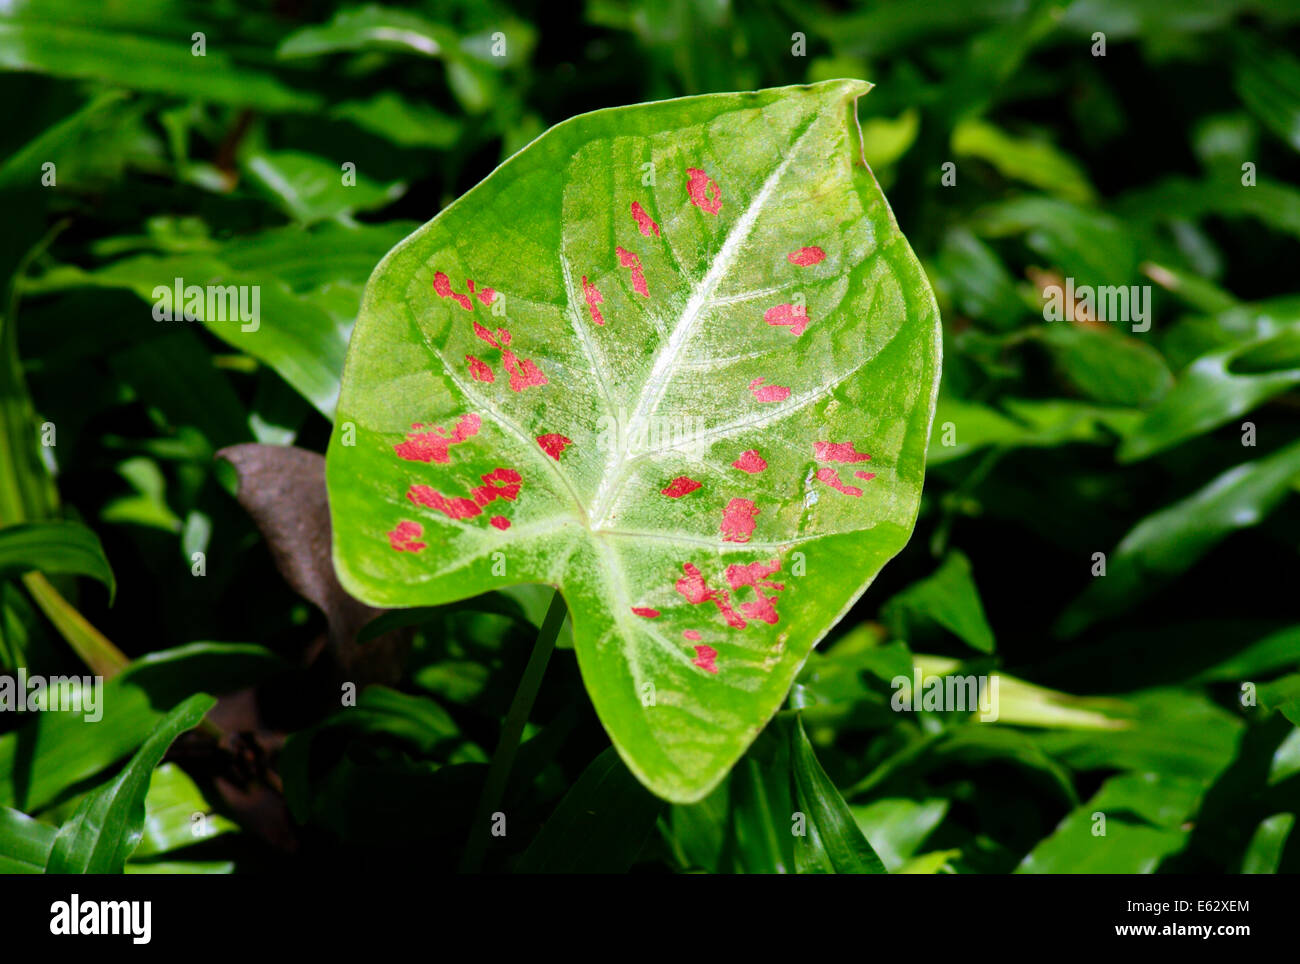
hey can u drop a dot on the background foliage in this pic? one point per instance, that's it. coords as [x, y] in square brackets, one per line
[1125, 692]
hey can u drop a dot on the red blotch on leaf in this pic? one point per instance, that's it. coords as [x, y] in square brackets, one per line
[629, 260]
[762, 609]
[794, 317]
[403, 537]
[838, 452]
[755, 576]
[434, 445]
[865, 476]
[593, 298]
[830, 478]
[704, 191]
[738, 520]
[500, 521]
[768, 393]
[704, 658]
[697, 592]
[442, 286]
[497, 484]
[692, 634]
[646, 612]
[750, 462]
[679, 487]
[523, 373]
[480, 371]
[453, 508]
[644, 221]
[553, 444]
[806, 256]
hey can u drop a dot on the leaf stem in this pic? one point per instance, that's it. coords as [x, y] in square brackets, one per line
[512, 729]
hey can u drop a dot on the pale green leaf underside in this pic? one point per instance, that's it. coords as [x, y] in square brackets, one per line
[665, 388]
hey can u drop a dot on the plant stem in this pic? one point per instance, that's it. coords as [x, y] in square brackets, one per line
[512, 729]
[94, 648]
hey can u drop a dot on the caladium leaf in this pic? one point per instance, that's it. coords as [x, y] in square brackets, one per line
[676, 360]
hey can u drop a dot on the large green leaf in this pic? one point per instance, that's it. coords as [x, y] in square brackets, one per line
[603, 351]
[108, 825]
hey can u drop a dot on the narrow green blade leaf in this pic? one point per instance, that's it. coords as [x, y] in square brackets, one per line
[108, 825]
[1265, 851]
[55, 547]
[25, 843]
[675, 359]
[833, 843]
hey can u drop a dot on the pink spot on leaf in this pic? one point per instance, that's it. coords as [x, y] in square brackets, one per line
[523, 373]
[629, 260]
[704, 658]
[480, 371]
[692, 634]
[829, 476]
[453, 508]
[697, 592]
[768, 393]
[434, 445]
[738, 520]
[593, 298]
[487, 296]
[442, 285]
[762, 609]
[403, 537]
[644, 221]
[553, 444]
[750, 462]
[646, 612]
[755, 576]
[865, 476]
[703, 190]
[679, 487]
[838, 452]
[500, 521]
[806, 256]
[498, 484]
[794, 317]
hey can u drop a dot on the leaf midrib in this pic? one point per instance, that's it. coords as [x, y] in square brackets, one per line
[656, 382]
